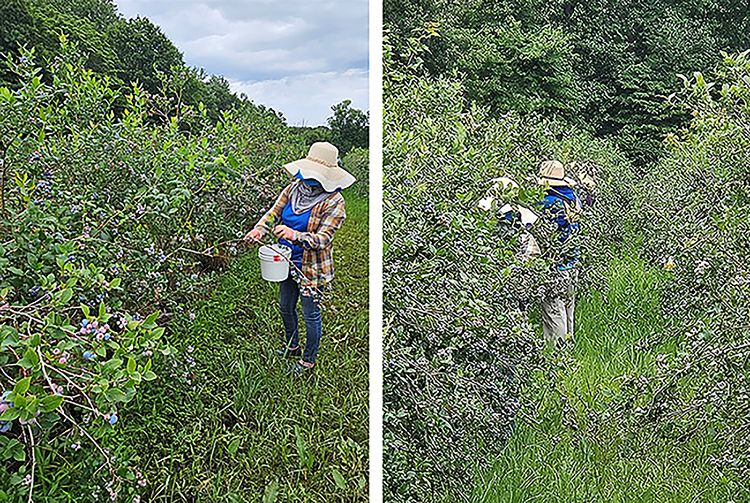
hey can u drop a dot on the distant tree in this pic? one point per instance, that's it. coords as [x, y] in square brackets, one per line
[349, 127]
[38, 24]
[214, 92]
[17, 27]
[78, 21]
[310, 135]
[127, 51]
[101, 13]
[143, 51]
[509, 67]
[604, 65]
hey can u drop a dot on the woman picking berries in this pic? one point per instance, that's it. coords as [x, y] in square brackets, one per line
[310, 211]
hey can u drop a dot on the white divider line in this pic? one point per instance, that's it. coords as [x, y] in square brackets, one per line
[376, 251]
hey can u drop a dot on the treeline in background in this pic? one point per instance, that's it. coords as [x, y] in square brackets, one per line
[130, 51]
[607, 67]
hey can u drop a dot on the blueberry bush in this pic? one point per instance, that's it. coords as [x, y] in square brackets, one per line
[102, 212]
[357, 162]
[693, 208]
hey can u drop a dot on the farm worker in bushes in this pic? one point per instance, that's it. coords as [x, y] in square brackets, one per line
[305, 217]
[562, 207]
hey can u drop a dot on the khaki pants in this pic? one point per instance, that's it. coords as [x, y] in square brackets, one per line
[558, 308]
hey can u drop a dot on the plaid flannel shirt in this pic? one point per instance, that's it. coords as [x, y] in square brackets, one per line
[317, 258]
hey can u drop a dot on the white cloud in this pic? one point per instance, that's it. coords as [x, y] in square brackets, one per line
[298, 57]
[307, 99]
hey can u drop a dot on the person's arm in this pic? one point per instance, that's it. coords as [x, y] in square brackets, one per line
[272, 216]
[331, 220]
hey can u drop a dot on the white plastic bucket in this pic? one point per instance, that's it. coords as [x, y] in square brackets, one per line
[273, 266]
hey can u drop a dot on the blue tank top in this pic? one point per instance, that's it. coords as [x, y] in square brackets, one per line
[299, 223]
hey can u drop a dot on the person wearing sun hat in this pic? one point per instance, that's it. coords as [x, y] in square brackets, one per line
[305, 217]
[561, 206]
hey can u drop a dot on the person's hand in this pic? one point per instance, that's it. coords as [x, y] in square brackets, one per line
[254, 236]
[283, 232]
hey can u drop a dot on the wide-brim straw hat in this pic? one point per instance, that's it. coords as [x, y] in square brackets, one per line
[321, 164]
[552, 173]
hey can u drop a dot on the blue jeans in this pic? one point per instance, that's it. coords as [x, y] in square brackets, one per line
[288, 296]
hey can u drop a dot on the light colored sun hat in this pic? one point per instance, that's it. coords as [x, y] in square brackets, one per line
[321, 164]
[552, 173]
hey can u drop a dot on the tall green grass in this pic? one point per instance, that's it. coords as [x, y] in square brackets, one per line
[570, 449]
[243, 429]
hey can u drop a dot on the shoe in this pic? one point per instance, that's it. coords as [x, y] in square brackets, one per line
[289, 352]
[301, 367]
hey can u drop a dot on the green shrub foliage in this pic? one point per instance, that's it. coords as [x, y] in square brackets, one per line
[458, 342]
[692, 212]
[98, 215]
[128, 51]
[357, 162]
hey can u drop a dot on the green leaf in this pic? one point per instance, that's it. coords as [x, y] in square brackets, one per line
[112, 364]
[233, 161]
[151, 319]
[29, 360]
[10, 414]
[149, 376]
[22, 386]
[86, 310]
[115, 395]
[19, 401]
[9, 337]
[19, 453]
[271, 492]
[102, 310]
[51, 402]
[66, 295]
[234, 446]
[339, 479]
[115, 283]
[131, 364]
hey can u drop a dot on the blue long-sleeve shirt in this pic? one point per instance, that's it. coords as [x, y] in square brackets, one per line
[553, 204]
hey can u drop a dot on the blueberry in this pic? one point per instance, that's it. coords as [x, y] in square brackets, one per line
[112, 418]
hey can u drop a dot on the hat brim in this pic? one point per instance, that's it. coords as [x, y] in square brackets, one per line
[556, 182]
[332, 179]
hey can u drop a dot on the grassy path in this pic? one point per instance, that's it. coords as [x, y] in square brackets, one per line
[583, 455]
[235, 427]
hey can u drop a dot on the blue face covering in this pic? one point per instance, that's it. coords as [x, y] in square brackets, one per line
[307, 181]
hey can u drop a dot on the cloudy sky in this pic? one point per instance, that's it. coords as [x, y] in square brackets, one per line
[299, 57]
